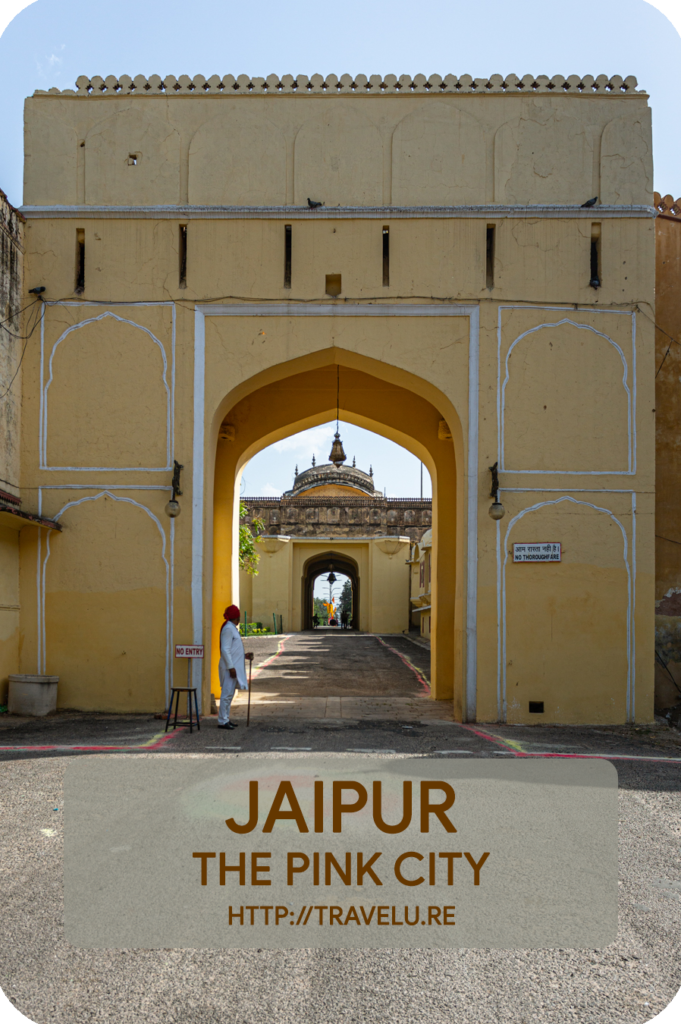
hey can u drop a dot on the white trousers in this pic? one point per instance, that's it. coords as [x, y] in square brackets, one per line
[226, 696]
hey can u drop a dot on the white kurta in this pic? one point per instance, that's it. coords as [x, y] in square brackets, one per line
[232, 656]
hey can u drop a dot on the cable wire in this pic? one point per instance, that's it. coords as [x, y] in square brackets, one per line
[23, 353]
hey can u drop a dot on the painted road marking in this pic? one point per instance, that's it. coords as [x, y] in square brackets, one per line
[453, 751]
[290, 748]
[369, 750]
[408, 662]
[513, 747]
[222, 748]
[157, 741]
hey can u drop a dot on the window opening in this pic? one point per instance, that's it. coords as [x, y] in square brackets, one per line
[490, 255]
[536, 707]
[333, 284]
[80, 260]
[595, 267]
[287, 255]
[183, 255]
[386, 256]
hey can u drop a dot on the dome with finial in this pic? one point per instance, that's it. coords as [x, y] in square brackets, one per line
[333, 478]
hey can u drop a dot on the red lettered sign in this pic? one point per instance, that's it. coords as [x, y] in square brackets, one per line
[188, 650]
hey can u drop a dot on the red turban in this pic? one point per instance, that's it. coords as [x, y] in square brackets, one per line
[232, 613]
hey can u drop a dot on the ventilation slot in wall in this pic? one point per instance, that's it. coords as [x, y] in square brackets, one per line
[333, 284]
[182, 249]
[595, 280]
[287, 255]
[536, 707]
[80, 261]
[386, 256]
[490, 256]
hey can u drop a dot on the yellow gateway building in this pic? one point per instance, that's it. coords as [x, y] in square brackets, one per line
[473, 260]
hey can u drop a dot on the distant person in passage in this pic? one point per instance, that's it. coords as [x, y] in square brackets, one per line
[232, 665]
[344, 619]
[315, 620]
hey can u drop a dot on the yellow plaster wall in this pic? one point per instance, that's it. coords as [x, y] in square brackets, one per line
[384, 583]
[9, 607]
[349, 150]
[105, 608]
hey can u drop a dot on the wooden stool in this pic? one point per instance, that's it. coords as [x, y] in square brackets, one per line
[175, 696]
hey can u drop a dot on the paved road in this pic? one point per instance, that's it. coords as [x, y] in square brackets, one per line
[341, 664]
[627, 982]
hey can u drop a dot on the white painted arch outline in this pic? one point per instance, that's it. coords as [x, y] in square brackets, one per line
[501, 598]
[630, 393]
[45, 387]
[42, 633]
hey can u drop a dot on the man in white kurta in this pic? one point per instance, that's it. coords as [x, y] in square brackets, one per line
[232, 668]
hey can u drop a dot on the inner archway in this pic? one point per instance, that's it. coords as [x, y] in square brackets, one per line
[321, 565]
[302, 393]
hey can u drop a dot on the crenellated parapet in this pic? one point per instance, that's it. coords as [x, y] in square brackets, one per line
[333, 85]
[667, 205]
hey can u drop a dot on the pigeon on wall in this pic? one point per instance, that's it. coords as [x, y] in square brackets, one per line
[313, 205]
[589, 202]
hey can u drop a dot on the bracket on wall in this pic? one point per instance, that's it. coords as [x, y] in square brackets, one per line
[176, 479]
[495, 480]
[496, 509]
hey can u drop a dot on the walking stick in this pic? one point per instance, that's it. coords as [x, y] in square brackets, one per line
[248, 715]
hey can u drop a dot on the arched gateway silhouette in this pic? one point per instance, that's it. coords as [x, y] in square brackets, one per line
[299, 394]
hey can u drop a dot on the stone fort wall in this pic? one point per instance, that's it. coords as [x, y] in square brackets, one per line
[342, 141]
[354, 517]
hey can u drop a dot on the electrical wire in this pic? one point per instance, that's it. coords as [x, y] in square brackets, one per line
[672, 341]
[18, 312]
[23, 353]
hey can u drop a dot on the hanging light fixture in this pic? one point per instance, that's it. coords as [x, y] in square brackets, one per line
[337, 455]
[173, 507]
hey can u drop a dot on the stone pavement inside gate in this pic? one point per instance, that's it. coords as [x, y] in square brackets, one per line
[340, 675]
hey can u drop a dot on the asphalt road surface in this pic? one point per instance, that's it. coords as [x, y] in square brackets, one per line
[48, 980]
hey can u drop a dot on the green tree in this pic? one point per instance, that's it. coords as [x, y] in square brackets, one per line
[345, 603]
[320, 611]
[248, 538]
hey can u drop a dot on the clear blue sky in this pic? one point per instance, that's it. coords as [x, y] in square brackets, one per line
[54, 41]
[395, 469]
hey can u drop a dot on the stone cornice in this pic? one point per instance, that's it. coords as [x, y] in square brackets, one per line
[481, 212]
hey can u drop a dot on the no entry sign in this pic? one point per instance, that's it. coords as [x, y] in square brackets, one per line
[188, 651]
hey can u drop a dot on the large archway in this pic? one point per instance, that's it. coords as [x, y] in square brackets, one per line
[301, 393]
[317, 566]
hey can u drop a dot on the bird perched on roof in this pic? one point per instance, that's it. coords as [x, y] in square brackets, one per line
[589, 202]
[313, 205]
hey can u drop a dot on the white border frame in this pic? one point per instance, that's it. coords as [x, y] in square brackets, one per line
[630, 392]
[169, 562]
[170, 389]
[470, 310]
